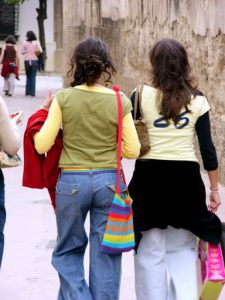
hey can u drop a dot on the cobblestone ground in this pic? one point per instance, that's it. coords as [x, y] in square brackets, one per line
[30, 231]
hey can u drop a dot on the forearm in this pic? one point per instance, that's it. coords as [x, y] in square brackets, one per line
[45, 138]
[130, 142]
[9, 132]
[207, 148]
[213, 178]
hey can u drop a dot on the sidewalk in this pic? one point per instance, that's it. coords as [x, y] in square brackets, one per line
[30, 230]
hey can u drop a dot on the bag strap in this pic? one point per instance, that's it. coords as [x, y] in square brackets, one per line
[137, 101]
[119, 137]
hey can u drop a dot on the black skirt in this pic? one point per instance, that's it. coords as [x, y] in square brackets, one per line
[171, 193]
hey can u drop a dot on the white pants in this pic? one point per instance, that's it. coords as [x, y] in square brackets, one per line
[163, 251]
[9, 83]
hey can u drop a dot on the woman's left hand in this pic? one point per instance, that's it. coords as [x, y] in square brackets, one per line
[214, 199]
[48, 101]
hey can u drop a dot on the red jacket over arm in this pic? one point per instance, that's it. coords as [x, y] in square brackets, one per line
[40, 171]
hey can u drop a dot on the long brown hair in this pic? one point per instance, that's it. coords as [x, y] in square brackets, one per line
[171, 76]
[90, 60]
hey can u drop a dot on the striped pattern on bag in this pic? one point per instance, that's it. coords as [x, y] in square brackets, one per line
[119, 234]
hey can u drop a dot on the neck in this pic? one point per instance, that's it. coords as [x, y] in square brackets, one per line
[95, 84]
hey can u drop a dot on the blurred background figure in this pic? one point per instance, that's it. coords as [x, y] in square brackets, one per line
[31, 49]
[10, 143]
[10, 65]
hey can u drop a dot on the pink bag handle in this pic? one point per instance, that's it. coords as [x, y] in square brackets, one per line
[119, 137]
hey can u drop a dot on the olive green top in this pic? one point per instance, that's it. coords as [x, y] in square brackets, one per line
[90, 121]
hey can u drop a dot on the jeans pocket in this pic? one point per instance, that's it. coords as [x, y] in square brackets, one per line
[67, 189]
[66, 196]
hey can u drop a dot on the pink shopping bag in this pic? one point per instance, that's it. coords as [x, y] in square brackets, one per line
[212, 270]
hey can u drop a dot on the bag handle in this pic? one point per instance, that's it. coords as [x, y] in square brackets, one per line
[119, 137]
[138, 100]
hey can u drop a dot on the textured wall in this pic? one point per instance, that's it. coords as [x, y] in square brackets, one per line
[130, 27]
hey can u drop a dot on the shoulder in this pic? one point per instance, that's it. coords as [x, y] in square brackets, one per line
[199, 99]
[148, 95]
[200, 104]
[63, 94]
[126, 104]
[148, 89]
[26, 44]
[124, 98]
[60, 94]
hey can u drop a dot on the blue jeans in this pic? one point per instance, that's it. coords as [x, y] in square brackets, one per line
[31, 71]
[2, 214]
[76, 195]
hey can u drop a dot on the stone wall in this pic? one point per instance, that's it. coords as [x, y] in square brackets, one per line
[130, 27]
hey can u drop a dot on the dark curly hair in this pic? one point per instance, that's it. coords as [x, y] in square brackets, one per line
[10, 40]
[171, 76]
[91, 59]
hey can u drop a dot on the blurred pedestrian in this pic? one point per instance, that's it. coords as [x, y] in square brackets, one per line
[10, 143]
[31, 49]
[169, 198]
[10, 65]
[87, 112]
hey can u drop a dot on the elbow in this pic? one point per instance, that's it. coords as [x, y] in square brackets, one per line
[40, 147]
[13, 149]
[39, 150]
[134, 153]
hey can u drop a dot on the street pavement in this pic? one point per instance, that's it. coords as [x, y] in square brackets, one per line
[30, 231]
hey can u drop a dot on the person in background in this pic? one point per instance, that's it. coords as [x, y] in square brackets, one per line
[169, 198]
[9, 142]
[31, 49]
[87, 112]
[10, 65]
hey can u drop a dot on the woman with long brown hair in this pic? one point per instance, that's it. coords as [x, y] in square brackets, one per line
[169, 198]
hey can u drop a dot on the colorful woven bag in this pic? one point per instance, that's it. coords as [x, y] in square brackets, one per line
[119, 233]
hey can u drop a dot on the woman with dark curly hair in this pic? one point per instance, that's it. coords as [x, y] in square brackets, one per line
[87, 112]
[169, 198]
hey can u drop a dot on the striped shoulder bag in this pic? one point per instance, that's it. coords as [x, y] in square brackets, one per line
[119, 233]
